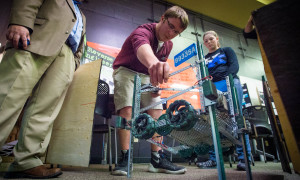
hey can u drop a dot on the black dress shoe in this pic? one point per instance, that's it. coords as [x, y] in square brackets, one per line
[39, 172]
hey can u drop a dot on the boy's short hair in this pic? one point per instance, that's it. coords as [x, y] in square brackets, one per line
[177, 12]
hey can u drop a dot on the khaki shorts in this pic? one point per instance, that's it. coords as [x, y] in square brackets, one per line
[124, 84]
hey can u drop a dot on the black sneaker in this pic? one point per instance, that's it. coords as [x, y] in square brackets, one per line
[241, 166]
[122, 167]
[207, 164]
[160, 164]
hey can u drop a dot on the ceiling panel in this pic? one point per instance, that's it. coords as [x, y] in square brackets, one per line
[233, 12]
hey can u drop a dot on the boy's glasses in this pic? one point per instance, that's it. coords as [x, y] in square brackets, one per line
[172, 27]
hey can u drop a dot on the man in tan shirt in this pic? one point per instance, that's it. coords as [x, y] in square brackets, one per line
[45, 43]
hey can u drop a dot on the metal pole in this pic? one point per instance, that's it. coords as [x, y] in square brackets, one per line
[217, 144]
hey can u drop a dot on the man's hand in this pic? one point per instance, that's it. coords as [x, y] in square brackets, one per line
[159, 73]
[17, 32]
[249, 26]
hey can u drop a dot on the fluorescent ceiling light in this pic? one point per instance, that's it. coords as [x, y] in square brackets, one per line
[266, 2]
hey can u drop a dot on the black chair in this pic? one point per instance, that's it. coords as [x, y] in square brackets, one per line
[104, 108]
[260, 127]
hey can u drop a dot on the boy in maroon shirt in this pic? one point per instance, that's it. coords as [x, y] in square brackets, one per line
[145, 53]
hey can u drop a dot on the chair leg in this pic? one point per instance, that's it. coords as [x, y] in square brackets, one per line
[254, 146]
[109, 141]
[234, 159]
[104, 160]
[252, 159]
[116, 147]
[263, 147]
[278, 158]
[230, 163]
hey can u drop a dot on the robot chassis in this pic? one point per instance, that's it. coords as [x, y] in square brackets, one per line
[192, 129]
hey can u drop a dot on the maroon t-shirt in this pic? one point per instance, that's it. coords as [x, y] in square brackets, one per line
[144, 34]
